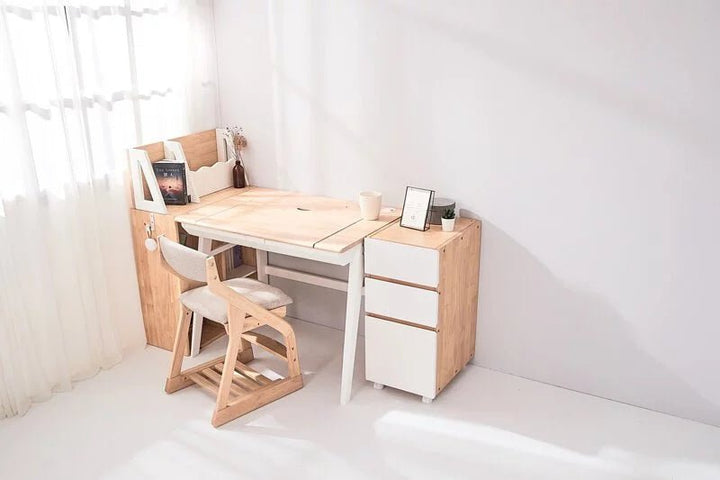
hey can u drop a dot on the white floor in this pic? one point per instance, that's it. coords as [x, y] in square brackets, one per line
[487, 425]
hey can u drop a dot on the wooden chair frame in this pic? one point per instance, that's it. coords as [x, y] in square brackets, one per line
[238, 388]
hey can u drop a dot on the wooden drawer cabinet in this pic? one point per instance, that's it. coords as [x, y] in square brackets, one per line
[421, 294]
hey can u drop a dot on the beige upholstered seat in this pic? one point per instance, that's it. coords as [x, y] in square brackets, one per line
[202, 301]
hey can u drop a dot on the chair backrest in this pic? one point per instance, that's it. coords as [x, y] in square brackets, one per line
[185, 261]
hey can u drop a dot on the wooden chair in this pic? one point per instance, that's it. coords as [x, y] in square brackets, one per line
[241, 305]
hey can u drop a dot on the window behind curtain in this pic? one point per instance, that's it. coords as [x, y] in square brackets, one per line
[81, 81]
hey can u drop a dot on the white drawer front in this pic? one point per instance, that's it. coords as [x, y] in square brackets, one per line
[401, 302]
[402, 262]
[400, 356]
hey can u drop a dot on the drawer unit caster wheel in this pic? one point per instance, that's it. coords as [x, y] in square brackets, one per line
[378, 386]
[427, 400]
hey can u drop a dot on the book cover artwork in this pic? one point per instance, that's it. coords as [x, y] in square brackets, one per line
[172, 182]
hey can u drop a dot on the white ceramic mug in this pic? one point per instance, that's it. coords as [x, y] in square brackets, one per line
[370, 205]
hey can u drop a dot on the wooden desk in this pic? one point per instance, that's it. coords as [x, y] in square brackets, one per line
[316, 228]
[293, 218]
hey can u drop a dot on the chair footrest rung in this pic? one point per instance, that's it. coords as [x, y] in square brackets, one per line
[252, 374]
[203, 381]
[202, 366]
[245, 380]
[240, 381]
[269, 344]
[215, 374]
[266, 394]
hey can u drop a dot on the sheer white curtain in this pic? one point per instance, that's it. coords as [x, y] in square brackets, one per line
[81, 81]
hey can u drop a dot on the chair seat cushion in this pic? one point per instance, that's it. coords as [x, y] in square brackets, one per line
[202, 301]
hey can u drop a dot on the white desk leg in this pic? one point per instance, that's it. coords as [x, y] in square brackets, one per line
[352, 320]
[261, 257]
[205, 246]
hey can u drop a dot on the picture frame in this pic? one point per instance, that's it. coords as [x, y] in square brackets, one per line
[416, 208]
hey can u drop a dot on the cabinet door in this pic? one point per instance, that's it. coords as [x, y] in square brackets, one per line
[415, 305]
[402, 262]
[400, 356]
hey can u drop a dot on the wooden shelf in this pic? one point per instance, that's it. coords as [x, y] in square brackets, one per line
[211, 331]
[160, 290]
[243, 271]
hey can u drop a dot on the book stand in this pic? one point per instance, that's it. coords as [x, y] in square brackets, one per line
[208, 151]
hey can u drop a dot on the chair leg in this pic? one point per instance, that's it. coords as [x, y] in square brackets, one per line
[175, 381]
[292, 354]
[245, 353]
[196, 339]
[235, 322]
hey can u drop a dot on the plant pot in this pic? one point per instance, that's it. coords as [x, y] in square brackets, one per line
[448, 224]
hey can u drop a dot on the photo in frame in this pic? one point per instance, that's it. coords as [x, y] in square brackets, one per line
[416, 208]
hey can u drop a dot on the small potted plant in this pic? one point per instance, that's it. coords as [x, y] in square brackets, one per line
[448, 220]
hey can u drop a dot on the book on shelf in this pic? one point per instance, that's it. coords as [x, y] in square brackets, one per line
[172, 180]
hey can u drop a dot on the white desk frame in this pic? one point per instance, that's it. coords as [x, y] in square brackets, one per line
[352, 257]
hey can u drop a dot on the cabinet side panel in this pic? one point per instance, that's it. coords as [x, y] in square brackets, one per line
[459, 279]
[159, 290]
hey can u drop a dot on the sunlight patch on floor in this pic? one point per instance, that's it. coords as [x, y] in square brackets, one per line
[521, 454]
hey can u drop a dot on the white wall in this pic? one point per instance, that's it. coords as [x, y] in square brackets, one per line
[583, 133]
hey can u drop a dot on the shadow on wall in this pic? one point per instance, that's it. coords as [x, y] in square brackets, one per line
[532, 324]
[313, 131]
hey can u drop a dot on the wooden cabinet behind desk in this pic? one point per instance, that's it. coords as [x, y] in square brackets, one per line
[159, 290]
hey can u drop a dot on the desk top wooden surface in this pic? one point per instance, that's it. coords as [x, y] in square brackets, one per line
[289, 217]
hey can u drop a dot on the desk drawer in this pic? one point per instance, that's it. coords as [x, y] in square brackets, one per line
[406, 263]
[401, 356]
[401, 302]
